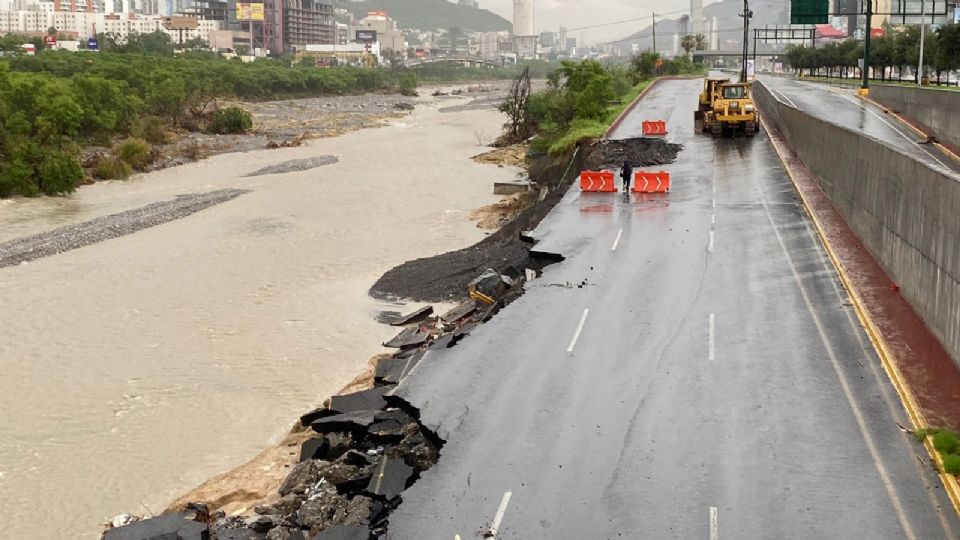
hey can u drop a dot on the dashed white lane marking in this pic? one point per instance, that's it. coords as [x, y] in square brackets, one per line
[576, 335]
[713, 337]
[495, 526]
[713, 219]
[456, 537]
[714, 530]
[616, 242]
[710, 245]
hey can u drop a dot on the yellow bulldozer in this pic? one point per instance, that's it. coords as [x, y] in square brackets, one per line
[726, 108]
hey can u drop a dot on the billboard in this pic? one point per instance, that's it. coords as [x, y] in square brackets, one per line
[50, 41]
[93, 44]
[180, 23]
[366, 36]
[247, 11]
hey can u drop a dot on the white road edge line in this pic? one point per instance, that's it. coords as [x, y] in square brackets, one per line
[617, 241]
[844, 385]
[909, 139]
[713, 337]
[710, 246]
[576, 335]
[714, 530]
[495, 526]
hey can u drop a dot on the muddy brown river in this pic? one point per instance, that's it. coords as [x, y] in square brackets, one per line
[135, 368]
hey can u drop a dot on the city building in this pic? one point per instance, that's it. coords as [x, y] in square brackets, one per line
[387, 34]
[308, 22]
[696, 16]
[525, 40]
[493, 45]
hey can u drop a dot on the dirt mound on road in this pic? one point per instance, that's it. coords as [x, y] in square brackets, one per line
[642, 152]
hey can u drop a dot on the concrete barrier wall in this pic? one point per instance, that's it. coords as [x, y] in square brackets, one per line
[906, 213]
[936, 110]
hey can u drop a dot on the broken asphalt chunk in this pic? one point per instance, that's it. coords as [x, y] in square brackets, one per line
[302, 477]
[411, 337]
[441, 342]
[393, 370]
[344, 532]
[170, 527]
[316, 414]
[397, 319]
[355, 422]
[460, 312]
[390, 478]
[315, 448]
[366, 400]
[235, 534]
[389, 426]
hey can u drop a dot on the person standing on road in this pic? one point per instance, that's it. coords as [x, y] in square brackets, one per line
[626, 173]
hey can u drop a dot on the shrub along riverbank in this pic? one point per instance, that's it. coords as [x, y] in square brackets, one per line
[584, 98]
[54, 103]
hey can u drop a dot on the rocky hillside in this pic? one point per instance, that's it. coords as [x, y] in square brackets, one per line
[430, 14]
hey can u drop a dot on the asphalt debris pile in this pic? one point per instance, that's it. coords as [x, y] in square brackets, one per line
[642, 152]
[75, 236]
[296, 165]
[367, 448]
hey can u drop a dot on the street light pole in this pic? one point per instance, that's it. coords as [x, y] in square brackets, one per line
[923, 26]
[746, 38]
[654, 18]
[865, 87]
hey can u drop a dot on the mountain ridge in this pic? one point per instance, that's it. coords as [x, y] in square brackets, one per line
[430, 14]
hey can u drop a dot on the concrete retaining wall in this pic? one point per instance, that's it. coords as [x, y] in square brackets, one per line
[938, 111]
[906, 213]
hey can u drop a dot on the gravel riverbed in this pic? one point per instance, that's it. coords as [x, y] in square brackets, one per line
[71, 237]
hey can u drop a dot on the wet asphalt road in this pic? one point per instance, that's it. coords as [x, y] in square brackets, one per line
[692, 362]
[840, 105]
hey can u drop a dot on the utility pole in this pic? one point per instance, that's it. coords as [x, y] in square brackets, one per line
[923, 26]
[746, 38]
[865, 87]
[654, 17]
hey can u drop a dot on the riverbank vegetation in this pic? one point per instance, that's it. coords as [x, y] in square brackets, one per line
[891, 56]
[55, 103]
[582, 99]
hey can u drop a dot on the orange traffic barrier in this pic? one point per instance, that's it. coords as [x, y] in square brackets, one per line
[656, 127]
[651, 182]
[597, 181]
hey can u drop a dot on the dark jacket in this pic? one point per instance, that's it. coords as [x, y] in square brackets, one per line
[627, 172]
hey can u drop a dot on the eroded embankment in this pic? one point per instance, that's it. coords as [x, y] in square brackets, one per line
[445, 277]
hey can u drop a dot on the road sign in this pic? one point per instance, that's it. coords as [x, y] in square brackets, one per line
[93, 44]
[809, 11]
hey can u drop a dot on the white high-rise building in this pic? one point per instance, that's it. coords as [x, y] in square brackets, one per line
[523, 18]
[524, 34]
[696, 16]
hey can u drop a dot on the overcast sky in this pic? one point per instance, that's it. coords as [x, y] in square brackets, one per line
[550, 15]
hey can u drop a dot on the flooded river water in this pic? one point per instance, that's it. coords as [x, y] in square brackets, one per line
[135, 368]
